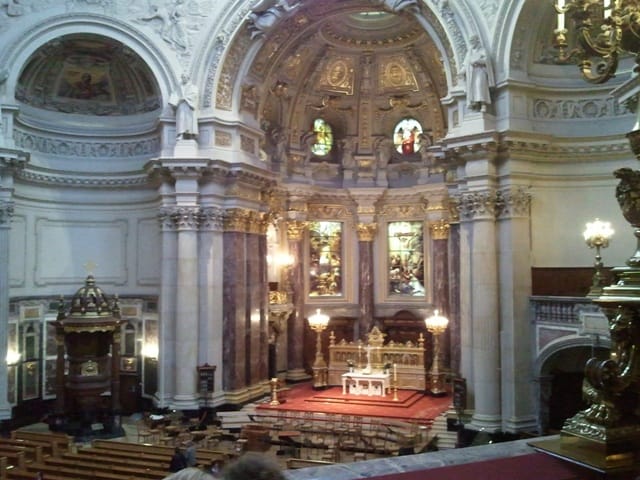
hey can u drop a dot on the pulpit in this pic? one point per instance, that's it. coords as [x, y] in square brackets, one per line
[87, 365]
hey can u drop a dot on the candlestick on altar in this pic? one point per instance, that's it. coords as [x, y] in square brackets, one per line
[395, 392]
[395, 373]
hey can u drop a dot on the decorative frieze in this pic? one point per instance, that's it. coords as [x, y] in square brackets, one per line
[237, 220]
[564, 109]
[82, 180]
[247, 144]
[234, 58]
[405, 211]
[222, 139]
[85, 149]
[328, 212]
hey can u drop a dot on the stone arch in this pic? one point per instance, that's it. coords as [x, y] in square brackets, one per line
[59, 26]
[547, 379]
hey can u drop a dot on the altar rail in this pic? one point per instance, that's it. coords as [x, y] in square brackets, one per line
[408, 358]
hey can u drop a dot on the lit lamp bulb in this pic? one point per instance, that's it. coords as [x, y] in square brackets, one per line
[436, 324]
[318, 322]
[597, 235]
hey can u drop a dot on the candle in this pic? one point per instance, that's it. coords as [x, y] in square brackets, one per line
[395, 373]
[560, 7]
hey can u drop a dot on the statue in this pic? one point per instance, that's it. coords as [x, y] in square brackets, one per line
[185, 101]
[479, 76]
[347, 147]
[267, 13]
[384, 151]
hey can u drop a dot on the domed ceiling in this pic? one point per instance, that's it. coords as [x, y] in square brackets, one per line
[88, 75]
[361, 69]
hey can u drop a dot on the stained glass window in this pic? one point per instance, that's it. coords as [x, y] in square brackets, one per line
[406, 136]
[325, 256]
[324, 137]
[406, 258]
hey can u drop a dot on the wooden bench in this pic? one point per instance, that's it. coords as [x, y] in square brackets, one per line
[203, 456]
[71, 472]
[116, 461]
[107, 466]
[61, 442]
[293, 463]
[46, 447]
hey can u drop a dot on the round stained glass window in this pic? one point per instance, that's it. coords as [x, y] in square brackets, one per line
[406, 136]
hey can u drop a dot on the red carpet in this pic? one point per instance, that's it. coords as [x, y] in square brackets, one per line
[411, 405]
[533, 466]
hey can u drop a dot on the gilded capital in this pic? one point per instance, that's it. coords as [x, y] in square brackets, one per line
[439, 229]
[295, 229]
[236, 220]
[367, 231]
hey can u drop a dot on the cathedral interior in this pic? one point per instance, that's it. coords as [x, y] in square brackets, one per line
[224, 170]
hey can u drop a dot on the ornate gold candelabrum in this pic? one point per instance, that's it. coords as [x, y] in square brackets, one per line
[436, 324]
[318, 323]
[597, 235]
[274, 383]
[603, 30]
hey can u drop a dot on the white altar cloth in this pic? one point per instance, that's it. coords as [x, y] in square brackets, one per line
[358, 383]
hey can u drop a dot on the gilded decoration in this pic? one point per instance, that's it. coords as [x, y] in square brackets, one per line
[237, 220]
[395, 73]
[439, 230]
[237, 52]
[367, 231]
[405, 211]
[328, 211]
[338, 75]
[295, 229]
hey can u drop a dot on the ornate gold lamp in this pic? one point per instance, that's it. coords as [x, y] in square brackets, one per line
[604, 29]
[606, 435]
[436, 324]
[318, 323]
[597, 235]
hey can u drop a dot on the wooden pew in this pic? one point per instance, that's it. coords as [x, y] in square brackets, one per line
[47, 448]
[73, 473]
[60, 442]
[203, 456]
[116, 461]
[108, 466]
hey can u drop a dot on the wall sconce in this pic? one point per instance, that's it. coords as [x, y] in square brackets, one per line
[436, 324]
[597, 235]
[13, 357]
[318, 323]
[149, 350]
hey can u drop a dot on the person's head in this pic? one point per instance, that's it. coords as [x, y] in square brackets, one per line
[253, 466]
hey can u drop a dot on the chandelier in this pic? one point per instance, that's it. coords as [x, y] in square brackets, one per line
[604, 30]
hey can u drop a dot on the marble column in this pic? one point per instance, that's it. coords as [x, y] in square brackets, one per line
[234, 374]
[439, 231]
[518, 404]
[477, 212]
[211, 246]
[10, 162]
[6, 211]
[187, 299]
[364, 324]
[115, 371]
[455, 334]
[167, 308]
[257, 299]
[295, 331]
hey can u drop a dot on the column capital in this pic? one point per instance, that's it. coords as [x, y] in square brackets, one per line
[295, 229]
[6, 212]
[476, 205]
[212, 218]
[367, 231]
[515, 202]
[186, 217]
[439, 229]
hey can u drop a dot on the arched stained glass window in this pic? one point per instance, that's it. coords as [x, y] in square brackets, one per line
[406, 136]
[325, 262]
[406, 259]
[324, 138]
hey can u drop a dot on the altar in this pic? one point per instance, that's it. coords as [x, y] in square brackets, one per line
[363, 383]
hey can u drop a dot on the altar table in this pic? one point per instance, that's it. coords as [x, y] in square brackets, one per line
[370, 384]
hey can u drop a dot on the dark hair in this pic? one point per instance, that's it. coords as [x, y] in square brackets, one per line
[253, 466]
